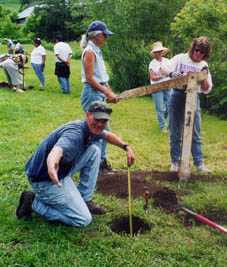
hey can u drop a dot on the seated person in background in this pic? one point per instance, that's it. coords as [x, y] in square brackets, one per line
[13, 67]
[10, 46]
[18, 48]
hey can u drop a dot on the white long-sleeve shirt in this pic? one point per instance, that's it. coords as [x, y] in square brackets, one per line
[183, 64]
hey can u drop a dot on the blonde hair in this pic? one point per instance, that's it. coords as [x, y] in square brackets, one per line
[86, 37]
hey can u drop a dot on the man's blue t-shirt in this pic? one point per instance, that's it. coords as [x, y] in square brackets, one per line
[73, 137]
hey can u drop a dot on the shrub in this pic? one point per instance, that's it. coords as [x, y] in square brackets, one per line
[136, 24]
[207, 17]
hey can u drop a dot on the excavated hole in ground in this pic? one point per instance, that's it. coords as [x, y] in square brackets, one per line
[116, 184]
[121, 225]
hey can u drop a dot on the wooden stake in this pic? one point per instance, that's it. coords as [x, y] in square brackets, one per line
[190, 108]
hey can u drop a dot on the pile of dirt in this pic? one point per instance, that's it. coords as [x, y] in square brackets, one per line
[121, 225]
[116, 184]
[166, 199]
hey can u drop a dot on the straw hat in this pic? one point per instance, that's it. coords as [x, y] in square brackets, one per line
[157, 47]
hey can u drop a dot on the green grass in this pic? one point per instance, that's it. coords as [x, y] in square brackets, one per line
[27, 118]
[12, 5]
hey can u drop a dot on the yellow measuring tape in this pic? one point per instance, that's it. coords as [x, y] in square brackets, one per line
[130, 202]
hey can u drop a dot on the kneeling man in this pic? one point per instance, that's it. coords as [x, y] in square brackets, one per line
[73, 147]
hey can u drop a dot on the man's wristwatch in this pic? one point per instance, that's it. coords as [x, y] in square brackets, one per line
[125, 146]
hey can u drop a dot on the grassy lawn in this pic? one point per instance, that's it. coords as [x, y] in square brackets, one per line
[10, 4]
[27, 118]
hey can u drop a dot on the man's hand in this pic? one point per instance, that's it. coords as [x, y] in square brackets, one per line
[53, 173]
[130, 156]
[53, 160]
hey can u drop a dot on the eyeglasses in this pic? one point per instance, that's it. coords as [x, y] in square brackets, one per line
[200, 51]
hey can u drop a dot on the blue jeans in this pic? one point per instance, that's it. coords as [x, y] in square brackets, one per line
[87, 97]
[176, 124]
[67, 203]
[161, 100]
[65, 85]
[38, 68]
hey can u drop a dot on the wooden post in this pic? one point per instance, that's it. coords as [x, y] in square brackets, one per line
[190, 108]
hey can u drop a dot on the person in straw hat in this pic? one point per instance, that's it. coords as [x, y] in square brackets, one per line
[158, 72]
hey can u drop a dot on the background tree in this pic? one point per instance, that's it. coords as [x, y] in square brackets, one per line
[8, 29]
[57, 16]
[206, 17]
[136, 25]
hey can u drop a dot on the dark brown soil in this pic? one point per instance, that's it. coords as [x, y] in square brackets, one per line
[163, 176]
[166, 199]
[116, 184]
[121, 225]
[4, 85]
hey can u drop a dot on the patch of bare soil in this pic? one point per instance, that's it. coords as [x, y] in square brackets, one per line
[163, 176]
[167, 200]
[116, 184]
[4, 85]
[121, 225]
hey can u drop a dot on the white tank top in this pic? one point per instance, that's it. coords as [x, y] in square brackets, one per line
[100, 73]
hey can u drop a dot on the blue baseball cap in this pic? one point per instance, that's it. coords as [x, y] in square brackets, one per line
[98, 25]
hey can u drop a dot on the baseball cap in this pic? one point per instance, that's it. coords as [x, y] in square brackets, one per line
[100, 110]
[98, 25]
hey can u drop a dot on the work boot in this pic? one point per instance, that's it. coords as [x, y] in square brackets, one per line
[105, 166]
[24, 209]
[95, 209]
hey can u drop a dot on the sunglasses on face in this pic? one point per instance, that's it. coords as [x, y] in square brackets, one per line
[200, 51]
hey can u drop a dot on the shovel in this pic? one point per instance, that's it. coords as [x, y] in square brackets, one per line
[203, 219]
[167, 200]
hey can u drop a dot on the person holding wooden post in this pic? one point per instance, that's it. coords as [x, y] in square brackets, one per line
[194, 60]
[94, 75]
[158, 72]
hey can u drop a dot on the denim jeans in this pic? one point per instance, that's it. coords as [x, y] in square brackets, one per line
[65, 85]
[176, 124]
[87, 97]
[67, 203]
[38, 68]
[161, 100]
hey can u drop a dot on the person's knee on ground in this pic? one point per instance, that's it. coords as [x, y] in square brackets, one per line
[85, 220]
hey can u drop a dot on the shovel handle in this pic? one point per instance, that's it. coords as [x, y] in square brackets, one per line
[205, 220]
